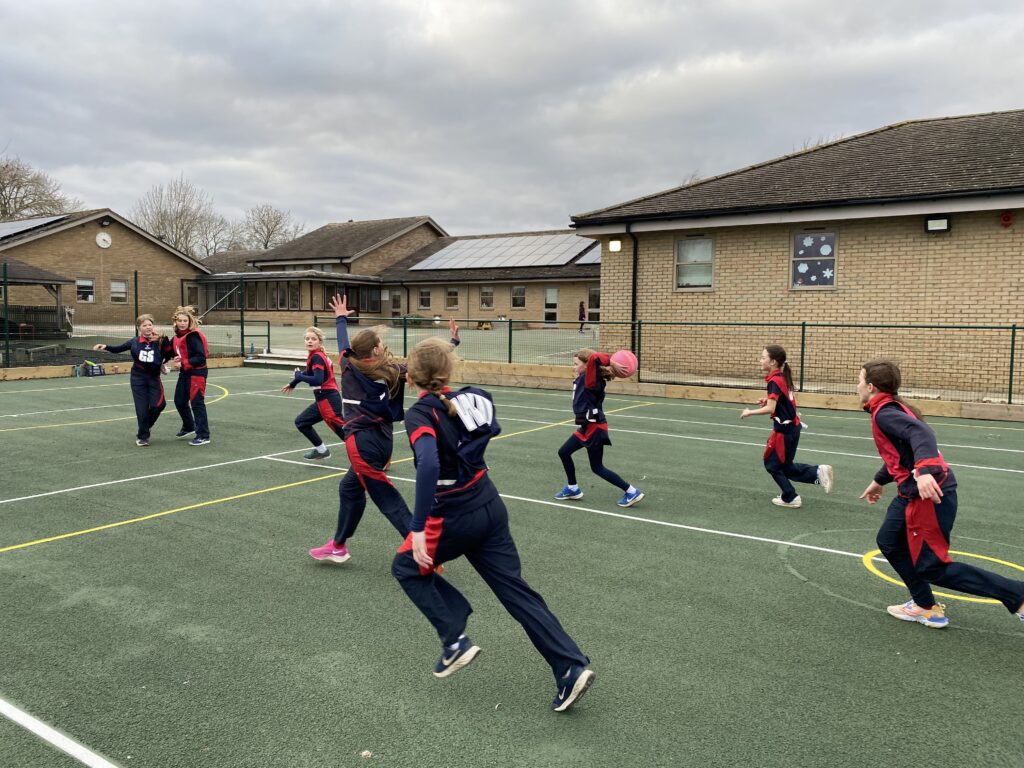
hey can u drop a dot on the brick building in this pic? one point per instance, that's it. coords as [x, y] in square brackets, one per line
[535, 277]
[295, 281]
[100, 251]
[914, 223]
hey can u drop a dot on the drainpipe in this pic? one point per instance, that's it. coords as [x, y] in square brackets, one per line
[632, 300]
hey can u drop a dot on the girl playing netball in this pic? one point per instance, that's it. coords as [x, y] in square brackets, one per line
[780, 405]
[593, 371]
[326, 405]
[459, 512]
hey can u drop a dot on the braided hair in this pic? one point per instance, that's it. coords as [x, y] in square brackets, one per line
[430, 368]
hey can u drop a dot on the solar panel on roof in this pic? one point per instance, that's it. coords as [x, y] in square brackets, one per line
[514, 251]
[592, 256]
[8, 228]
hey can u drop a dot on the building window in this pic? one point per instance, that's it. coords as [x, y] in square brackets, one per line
[424, 298]
[294, 295]
[518, 297]
[222, 296]
[451, 298]
[814, 260]
[594, 305]
[118, 291]
[261, 295]
[694, 262]
[486, 297]
[85, 291]
[250, 295]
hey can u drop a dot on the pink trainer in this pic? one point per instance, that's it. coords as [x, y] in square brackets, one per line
[330, 551]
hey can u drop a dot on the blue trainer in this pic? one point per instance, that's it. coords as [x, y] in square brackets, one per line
[571, 686]
[569, 493]
[629, 499]
[453, 661]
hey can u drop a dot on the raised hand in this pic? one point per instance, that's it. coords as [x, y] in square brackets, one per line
[340, 306]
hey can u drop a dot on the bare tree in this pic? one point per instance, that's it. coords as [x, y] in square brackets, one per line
[176, 213]
[214, 234]
[267, 227]
[26, 192]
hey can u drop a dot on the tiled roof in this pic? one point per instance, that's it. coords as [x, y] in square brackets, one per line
[231, 261]
[20, 273]
[403, 271]
[914, 160]
[344, 241]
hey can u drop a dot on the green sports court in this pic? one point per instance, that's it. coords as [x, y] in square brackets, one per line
[159, 607]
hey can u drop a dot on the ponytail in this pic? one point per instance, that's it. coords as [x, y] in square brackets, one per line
[778, 354]
[886, 377]
[430, 368]
[382, 367]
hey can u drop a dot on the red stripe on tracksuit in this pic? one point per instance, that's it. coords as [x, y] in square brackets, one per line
[360, 465]
[196, 386]
[329, 415]
[589, 430]
[432, 531]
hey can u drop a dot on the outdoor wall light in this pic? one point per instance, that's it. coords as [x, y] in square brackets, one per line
[615, 245]
[105, 222]
[936, 224]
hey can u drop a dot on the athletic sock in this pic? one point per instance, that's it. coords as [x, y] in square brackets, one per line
[631, 489]
[321, 448]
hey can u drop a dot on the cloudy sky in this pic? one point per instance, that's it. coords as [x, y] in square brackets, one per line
[489, 115]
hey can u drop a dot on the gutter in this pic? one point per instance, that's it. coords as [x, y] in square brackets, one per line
[632, 300]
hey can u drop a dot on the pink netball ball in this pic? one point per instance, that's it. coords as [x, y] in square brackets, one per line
[625, 360]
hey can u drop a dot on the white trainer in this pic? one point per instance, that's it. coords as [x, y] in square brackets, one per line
[825, 477]
[794, 504]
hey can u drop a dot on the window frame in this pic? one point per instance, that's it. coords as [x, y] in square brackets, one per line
[490, 294]
[448, 306]
[113, 294]
[691, 238]
[424, 292]
[794, 257]
[92, 290]
[512, 296]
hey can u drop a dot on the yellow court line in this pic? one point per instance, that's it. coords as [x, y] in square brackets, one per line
[869, 557]
[103, 421]
[247, 494]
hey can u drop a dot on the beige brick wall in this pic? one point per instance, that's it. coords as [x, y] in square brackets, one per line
[570, 294]
[888, 271]
[394, 251]
[74, 254]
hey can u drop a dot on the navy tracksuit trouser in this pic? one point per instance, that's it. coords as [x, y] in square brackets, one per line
[190, 400]
[148, 394]
[325, 407]
[892, 541]
[369, 454]
[595, 453]
[784, 469]
[482, 535]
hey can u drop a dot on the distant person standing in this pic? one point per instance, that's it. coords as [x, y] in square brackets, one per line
[149, 350]
[191, 351]
[582, 316]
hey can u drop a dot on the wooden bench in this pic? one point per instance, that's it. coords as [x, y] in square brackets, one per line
[58, 349]
[483, 325]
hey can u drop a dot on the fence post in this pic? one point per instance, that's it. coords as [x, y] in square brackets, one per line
[510, 339]
[1013, 349]
[241, 313]
[803, 348]
[7, 323]
[639, 347]
[135, 291]
[405, 336]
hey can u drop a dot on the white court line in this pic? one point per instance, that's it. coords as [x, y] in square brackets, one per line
[54, 737]
[113, 384]
[750, 427]
[171, 472]
[64, 410]
[634, 518]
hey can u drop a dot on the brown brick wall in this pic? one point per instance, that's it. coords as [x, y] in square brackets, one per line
[74, 254]
[888, 271]
[394, 251]
[570, 294]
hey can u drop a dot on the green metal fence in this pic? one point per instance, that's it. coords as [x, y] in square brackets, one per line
[970, 363]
